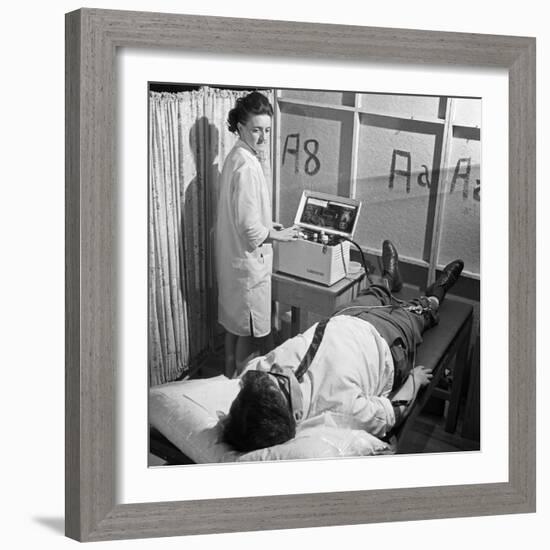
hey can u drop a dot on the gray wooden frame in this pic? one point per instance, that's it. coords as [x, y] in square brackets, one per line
[92, 39]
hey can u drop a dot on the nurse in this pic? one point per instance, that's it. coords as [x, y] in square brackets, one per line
[244, 233]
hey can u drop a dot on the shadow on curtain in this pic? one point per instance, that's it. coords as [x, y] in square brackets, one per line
[188, 141]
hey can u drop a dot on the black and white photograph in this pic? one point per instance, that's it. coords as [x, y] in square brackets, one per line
[313, 273]
[273, 274]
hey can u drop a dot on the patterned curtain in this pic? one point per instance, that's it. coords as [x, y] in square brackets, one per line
[189, 141]
[172, 171]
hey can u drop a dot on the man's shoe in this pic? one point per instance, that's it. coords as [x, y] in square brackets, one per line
[450, 275]
[390, 266]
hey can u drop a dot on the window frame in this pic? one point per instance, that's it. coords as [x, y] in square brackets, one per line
[420, 272]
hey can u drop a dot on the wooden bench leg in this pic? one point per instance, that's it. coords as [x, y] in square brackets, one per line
[460, 368]
[296, 320]
[470, 422]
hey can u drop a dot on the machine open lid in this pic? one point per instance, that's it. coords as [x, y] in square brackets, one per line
[328, 213]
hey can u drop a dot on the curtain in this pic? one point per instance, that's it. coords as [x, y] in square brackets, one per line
[189, 141]
[172, 170]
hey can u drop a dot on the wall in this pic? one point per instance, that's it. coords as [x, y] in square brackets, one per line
[32, 274]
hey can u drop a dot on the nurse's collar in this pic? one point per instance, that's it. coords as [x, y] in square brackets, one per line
[249, 148]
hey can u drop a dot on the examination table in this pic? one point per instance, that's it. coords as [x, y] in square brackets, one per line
[183, 415]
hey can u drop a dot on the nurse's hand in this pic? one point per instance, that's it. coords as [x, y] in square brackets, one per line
[285, 235]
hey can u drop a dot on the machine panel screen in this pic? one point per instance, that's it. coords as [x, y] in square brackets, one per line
[330, 214]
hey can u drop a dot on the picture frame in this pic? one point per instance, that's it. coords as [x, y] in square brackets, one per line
[92, 39]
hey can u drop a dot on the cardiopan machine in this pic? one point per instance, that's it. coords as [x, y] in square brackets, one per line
[327, 225]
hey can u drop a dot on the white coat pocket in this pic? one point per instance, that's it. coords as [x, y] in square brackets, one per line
[258, 266]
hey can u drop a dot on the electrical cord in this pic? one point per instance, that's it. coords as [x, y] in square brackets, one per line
[367, 272]
[363, 261]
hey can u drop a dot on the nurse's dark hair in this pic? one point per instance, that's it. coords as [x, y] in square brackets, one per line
[259, 416]
[250, 105]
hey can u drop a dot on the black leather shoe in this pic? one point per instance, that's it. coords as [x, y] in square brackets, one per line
[450, 275]
[390, 266]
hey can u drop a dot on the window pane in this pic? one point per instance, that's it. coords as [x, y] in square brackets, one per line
[328, 98]
[404, 106]
[467, 112]
[315, 154]
[393, 168]
[460, 223]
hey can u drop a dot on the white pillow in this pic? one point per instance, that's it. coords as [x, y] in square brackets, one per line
[187, 413]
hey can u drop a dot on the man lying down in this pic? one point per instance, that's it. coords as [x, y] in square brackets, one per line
[357, 365]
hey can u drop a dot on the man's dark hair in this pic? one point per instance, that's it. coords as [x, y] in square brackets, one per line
[259, 416]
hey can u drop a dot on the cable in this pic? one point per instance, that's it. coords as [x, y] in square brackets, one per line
[341, 243]
[363, 261]
[341, 311]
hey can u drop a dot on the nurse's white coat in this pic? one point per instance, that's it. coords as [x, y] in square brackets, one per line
[243, 264]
